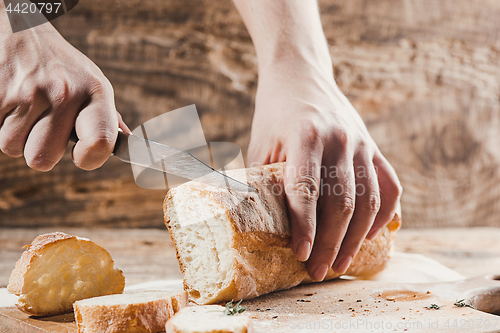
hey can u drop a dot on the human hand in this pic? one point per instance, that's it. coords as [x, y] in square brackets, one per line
[47, 87]
[339, 187]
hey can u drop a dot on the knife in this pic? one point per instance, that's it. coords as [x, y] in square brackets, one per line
[150, 154]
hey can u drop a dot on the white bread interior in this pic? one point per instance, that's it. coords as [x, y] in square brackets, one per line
[139, 311]
[58, 269]
[234, 245]
[208, 319]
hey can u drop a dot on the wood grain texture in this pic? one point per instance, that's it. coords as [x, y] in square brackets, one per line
[142, 254]
[148, 254]
[424, 76]
[343, 305]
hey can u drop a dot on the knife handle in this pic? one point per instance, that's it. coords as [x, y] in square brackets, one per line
[74, 138]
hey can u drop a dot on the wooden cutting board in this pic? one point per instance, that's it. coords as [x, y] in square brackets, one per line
[344, 306]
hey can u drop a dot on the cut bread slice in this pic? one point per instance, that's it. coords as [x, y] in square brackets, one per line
[139, 311]
[208, 319]
[58, 269]
[234, 245]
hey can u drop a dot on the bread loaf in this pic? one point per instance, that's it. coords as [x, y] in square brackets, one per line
[233, 245]
[58, 269]
[208, 319]
[140, 311]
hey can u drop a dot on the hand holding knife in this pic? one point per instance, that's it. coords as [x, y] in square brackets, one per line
[150, 154]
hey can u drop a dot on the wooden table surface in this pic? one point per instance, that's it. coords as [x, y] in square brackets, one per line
[148, 254]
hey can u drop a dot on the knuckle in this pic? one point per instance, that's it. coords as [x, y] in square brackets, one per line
[331, 248]
[10, 151]
[10, 146]
[28, 91]
[60, 93]
[373, 203]
[85, 166]
[394, 188]
[40, 163]
[5, 103]
[101, 86]
[306, 188]
[103, 142]
[343, 138]
[344, 206]
[309, 131]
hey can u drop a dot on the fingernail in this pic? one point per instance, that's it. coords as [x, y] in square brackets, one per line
[320, 272]
[372, 234]
[303, 250]
[343, 264]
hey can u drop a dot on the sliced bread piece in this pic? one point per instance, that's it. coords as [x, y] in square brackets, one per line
[234, 245]
[208, 319]
[139, 311]
[58, 269]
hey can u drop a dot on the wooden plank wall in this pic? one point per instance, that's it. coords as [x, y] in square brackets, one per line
[425, 75]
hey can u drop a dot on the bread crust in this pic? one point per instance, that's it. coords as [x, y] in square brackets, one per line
[144, 317]
[261, 237]
[16, 280]
[33, 253]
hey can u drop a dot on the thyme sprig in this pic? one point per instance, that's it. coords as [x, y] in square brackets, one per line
[461, 304]
[433, 306]
[231, 309]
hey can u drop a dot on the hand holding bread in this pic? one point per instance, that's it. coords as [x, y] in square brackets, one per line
[233, 245]
[340, 189]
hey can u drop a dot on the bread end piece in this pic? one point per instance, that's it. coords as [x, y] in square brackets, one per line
[208, 319]
[140, 311]
[58, 269]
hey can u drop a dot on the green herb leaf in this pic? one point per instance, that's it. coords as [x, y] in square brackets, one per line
[461, 303]
[231, 309]
[434, 307]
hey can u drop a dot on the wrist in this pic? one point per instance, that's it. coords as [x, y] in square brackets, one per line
[288, 55]
[287, 34]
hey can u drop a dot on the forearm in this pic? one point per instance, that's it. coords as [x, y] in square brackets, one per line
[286, 32]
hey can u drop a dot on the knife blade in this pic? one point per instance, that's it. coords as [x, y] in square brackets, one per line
[150, 154]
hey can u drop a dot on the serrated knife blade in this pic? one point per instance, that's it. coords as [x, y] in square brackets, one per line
[150, 154]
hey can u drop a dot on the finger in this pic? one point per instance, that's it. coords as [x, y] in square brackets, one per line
[17, 124]
[6, 108]
[390, 194]
[97, 128]
[122, 125]
[302, 179]
[337, 205]
[278, 154]
[255, 155]
[48, 139]
[14, 131]
[367, 206]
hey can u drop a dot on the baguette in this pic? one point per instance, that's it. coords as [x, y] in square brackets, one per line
[234, 245]
[208, 319]
[58, 269]
[140, 311]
